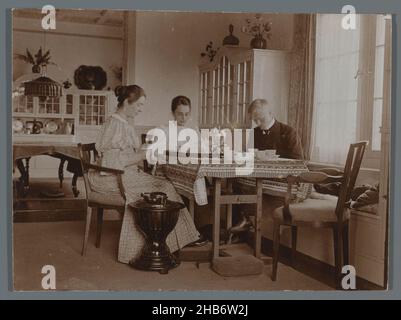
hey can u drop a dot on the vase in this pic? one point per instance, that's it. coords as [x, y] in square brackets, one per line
[258, 42]
[36, 68]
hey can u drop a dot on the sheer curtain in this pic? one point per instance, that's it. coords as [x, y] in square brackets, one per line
[336, 86]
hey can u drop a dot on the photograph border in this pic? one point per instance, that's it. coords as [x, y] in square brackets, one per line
[270, 6]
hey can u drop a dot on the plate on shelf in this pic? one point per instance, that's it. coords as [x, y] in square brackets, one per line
[18, 126]
[51, 126]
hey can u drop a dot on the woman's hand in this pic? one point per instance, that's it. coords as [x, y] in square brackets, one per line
[124, 145]
[141, 154]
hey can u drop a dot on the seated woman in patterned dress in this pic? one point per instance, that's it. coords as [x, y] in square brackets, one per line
[119, 147]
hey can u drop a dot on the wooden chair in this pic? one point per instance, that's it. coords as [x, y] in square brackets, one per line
[322, 211]
[97, 201]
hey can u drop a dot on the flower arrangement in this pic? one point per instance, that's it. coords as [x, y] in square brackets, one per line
[259, 29]
[38, 60]
[210, 51]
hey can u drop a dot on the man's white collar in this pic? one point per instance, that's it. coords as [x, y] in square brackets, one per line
[270, 124]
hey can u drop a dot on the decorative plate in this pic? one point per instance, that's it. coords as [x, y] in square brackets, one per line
[18, 126]
[51, 127]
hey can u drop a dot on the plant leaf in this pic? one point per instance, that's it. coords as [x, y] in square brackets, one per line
[21, 57]
[38, 56]
[46, 55]
[30, 57]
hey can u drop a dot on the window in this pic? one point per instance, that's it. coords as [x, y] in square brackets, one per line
[348, 87]
[336, 86]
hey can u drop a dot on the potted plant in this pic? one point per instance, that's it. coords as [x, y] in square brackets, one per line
[258, 29]
[38, 60]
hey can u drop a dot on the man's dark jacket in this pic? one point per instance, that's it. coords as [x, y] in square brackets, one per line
[281, 137]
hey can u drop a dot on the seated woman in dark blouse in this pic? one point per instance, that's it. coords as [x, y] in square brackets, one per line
[272, 134]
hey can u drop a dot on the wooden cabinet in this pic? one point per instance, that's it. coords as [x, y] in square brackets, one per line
[234, 78]
[77, 114]
[74, 114]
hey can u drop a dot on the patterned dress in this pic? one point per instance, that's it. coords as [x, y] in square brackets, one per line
[116, 145]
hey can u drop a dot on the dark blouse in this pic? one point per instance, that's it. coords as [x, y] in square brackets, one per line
[281, 137]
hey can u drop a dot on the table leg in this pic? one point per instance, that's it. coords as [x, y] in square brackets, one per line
[75, 190]
[216, 224]
[27, 173]
[61, 172]
[258, 218]
[229, 221]
[24, 179]
[21, 169]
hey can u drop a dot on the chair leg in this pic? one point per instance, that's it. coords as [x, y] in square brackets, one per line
[99, 226]
[337, 240]
[294, 233]
[87, 228]
[346, 244]
[276, 248]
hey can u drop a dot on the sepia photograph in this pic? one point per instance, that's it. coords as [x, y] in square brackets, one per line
[200, 151]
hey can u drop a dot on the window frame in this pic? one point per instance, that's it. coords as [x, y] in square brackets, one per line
[366, 81]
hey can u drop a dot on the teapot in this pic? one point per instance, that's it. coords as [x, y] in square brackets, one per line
[156, 198]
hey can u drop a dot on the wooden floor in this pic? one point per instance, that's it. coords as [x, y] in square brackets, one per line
[59, 244]
[38, 210]
[36, 207]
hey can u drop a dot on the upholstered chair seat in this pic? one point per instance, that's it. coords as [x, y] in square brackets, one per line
[319, 207]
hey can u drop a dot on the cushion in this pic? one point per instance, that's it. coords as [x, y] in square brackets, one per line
[370, 208]
[332, 188]
[368, 197]
[106, 199]
[319, 207]
[243, 265]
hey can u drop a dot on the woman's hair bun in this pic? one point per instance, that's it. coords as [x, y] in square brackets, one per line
[123, 92]
[120, 91]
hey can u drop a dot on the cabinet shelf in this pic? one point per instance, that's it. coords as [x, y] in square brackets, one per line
[43, 137]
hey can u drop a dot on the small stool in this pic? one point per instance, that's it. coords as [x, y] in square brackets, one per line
[243, 265]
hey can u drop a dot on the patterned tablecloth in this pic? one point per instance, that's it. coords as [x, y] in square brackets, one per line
[192, 177]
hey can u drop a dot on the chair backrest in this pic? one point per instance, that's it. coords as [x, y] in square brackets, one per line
[351, 170]
[87, 154]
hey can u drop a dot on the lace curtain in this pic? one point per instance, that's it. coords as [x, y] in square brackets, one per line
[336, 86]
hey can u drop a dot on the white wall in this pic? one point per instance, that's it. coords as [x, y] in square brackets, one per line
[168, 47]
[71, 45]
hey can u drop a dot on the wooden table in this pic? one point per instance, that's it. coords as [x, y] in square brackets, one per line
[63, 150]
[191, 179]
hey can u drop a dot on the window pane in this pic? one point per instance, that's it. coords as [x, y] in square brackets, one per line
[380, 27]
[378, 83]
[379, 66]
[376, 124]
[335, 105]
